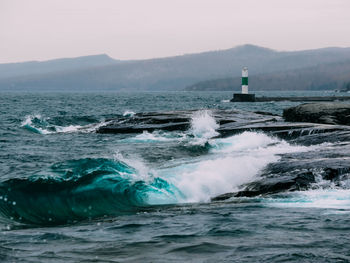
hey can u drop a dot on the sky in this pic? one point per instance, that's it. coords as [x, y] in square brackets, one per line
[141, 29]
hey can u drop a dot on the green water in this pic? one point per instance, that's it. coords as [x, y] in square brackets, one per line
[68, 194]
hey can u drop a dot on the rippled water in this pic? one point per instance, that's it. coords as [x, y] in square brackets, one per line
[68, 194]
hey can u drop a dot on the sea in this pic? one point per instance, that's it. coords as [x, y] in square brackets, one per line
[69, 194]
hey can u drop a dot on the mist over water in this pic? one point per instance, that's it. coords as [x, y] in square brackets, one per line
[70, 194]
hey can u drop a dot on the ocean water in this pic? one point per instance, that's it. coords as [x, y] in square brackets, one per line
[69, 194]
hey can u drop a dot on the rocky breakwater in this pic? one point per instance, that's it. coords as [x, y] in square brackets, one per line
[327, 113]
[230, 122]
[326, 166]
[325, 125]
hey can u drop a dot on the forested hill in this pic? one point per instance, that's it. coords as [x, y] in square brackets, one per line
[94, 73]
[321, 77]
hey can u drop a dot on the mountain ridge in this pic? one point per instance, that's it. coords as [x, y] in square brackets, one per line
[102, 72]
[15, 69]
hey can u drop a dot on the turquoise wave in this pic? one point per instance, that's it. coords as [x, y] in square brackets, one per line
[82, 189]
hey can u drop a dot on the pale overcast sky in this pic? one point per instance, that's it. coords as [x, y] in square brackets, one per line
[138, 29]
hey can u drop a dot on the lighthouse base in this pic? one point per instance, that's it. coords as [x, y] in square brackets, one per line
[240, 97]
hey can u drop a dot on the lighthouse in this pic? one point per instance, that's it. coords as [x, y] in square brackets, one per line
[244, 96]
[244, 80]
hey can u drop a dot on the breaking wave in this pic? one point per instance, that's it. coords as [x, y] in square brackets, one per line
[128, 113]
[38, 124]
[81, 189]
[203, 126]
[89, 188]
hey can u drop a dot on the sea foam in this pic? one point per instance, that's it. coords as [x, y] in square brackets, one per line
[232, 162]
[38, 124]
[331, 198]
[128, 113]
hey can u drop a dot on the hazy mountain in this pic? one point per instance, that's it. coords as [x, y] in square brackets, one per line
[63, 64]
[173, 73]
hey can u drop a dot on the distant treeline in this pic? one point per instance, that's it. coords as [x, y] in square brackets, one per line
[321, 77]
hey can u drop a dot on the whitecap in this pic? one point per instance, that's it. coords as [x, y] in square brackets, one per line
[331, 198]
[38, 124]
[232, 162]
[203, 127]
[128, 113]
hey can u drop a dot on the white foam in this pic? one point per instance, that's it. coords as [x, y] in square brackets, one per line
[203, 126]
[254, 141]
[128, 113]
[230, 163]
[68, 129]
[235, 162]
[52, 129]
[320, 198]
[29, 118]
[28, 123]
[214, 177]
[244, 141]
[142, 171]
[156, 136]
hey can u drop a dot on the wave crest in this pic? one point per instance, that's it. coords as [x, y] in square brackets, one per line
[81, 189]
[203, 126]
[38, 124]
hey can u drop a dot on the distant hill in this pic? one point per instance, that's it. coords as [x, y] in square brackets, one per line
[96, 73]
[320, 77]
[63, 64]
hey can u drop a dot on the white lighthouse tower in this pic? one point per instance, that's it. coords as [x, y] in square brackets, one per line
[244, 80]
[244, 96]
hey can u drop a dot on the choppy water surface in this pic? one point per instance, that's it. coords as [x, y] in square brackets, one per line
[68, 194]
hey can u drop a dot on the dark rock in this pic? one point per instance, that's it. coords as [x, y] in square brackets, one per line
[167, 121]
[231, 122]
[296, 172]
[265, 113]
[327, 113]
[241, 97]
[330, 174]
[299, 181]
[139, 128]
[179, 121]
